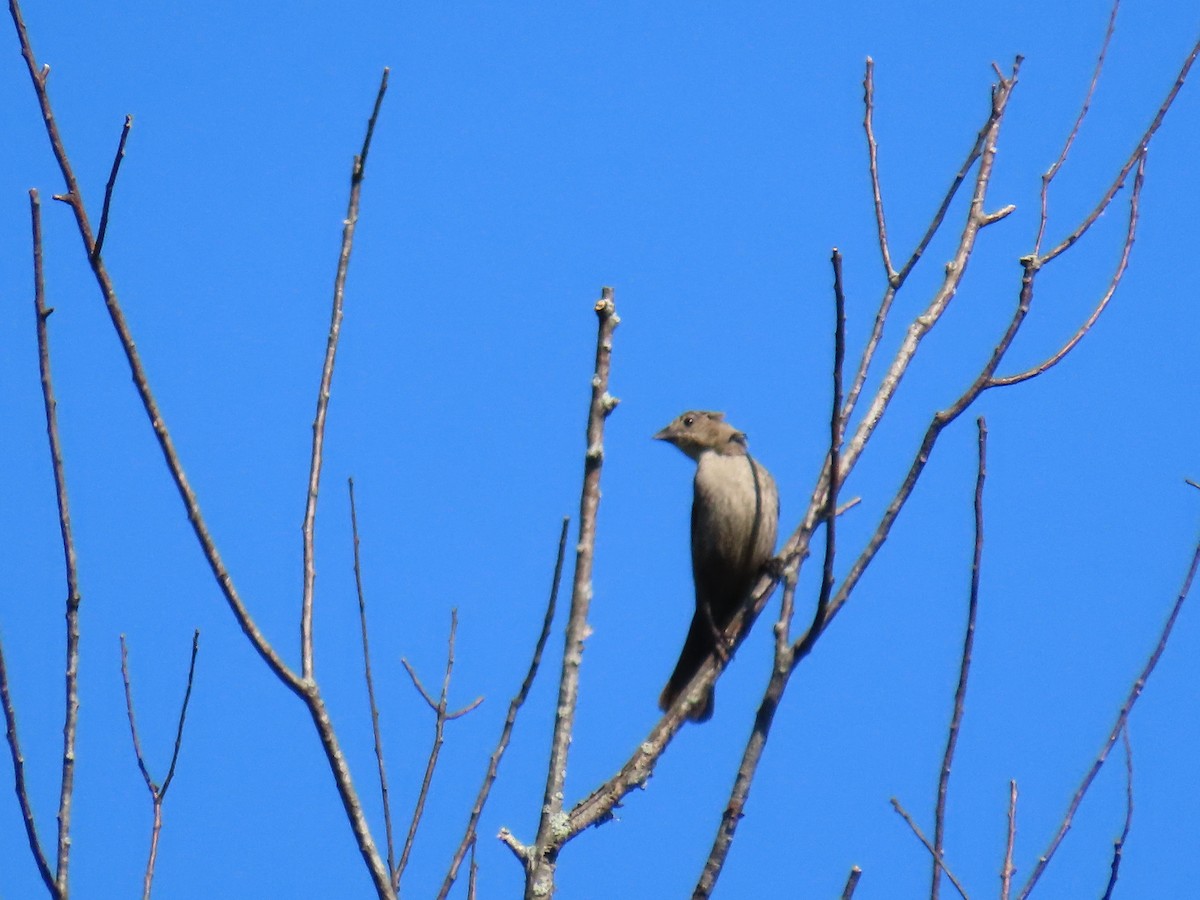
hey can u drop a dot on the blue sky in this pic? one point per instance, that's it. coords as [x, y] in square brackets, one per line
[702, 159]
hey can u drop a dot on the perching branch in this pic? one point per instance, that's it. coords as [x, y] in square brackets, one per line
[786, 654]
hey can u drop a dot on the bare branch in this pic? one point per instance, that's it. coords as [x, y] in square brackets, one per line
[1083, 111]
[597, 807]
[50, 405]
[1118, 726]
[1007, 870]
[318, 441]
[851, 883]
[441, 717]
[472, 875]
[187, 696]
[928, 846]
[964, 669]
[510, 720]
[747, 768]
[112, 182]
[1138, 151]
[889, 295]
[1122, 264]
[375, 730]
[955, 269]
[74, 199]
[540, 874]
[785, 654]
[157, 793]
[303, 687]
[18, 761]
[873, 155]
[1119, 843]
[837, 426]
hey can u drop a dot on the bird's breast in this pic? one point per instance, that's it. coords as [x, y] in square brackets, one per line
[736, 509]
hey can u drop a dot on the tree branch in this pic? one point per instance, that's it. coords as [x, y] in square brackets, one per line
[541, 864]
[108, 188]
[157, 793]
[964, 669]
[375, 730]
[70, 562]
[937, 860]
[74, 199]
[1135, 691]
[441, 717]
[1007, 870]
[1119, 843]
[514, 706]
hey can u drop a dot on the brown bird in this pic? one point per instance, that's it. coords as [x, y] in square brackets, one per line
[735, 515]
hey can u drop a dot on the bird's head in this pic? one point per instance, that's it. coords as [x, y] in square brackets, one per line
[698, 430]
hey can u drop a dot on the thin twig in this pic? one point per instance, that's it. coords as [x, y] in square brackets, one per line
[964, 669]
[514, 706]
[441, 717]
[302, 687]
[837, 427]
[318, 439]
[1135, 155]
[472, 875]
[1122, 264]
[71, 712]
[889, 295]
[1048, 176]
[851, 883]
[22, 791]
[985, 380]
[786, 654]
[375, 730]
[74, 199]
[187, 696]
[1118, 726]
[108, 188]
[157, 793]
[541, 866]
[873, 155]
[1119, 843]
[1007, 869]
[977, 219]
[938, 861]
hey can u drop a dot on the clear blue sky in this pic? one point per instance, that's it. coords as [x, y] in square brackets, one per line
[703, 159]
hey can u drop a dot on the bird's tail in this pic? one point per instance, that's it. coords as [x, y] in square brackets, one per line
[696, 649]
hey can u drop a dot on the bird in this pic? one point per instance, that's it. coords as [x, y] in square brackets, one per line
[735, 517]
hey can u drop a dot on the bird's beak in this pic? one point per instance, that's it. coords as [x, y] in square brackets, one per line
[664, 435]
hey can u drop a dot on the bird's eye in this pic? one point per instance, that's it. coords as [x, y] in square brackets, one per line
[689, 421]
